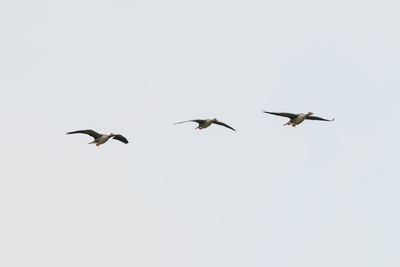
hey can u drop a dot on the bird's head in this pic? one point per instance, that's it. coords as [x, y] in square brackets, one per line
[214, 120]
[111, 135]
[309, 113]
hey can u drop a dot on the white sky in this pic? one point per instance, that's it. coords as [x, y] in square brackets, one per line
[321, 194]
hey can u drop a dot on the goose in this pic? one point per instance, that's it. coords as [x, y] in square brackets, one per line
[100, 139]
[296, 119]
[207, 122]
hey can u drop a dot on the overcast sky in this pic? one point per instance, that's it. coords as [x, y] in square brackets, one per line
[320, 194]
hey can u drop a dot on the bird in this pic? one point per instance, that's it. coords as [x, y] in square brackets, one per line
[100, 139]
[207, 122]
[296, 119]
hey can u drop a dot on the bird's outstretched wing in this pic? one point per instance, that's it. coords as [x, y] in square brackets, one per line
[92, 133]
[282, 114]
[315, 118]
[223, 124]
[198, 121]
[120, 138]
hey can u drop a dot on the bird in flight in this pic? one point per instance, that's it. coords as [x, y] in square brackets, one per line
[100, 139]
[205, 123]
[296, 119]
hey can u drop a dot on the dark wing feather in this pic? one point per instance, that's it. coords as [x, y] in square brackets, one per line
[120, 138]
[223, 124]
[282, 114]
[315, 118]
[92, 133]
[198, 121]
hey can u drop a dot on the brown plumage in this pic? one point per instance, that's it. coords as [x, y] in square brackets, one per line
[100, 139]
[206, 123]
[296, 119]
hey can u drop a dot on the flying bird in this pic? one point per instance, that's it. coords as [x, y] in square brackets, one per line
[296, 119]
[100, 139]
[205, 123]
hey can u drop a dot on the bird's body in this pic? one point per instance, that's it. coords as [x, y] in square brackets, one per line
[100, 139]
[296, 119]
[206, 123]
